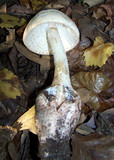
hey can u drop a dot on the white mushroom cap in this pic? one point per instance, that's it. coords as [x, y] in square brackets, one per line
[35, 34]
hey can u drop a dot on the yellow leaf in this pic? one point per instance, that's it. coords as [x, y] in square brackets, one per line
[8, 91]
[9, 21]
[9, 85]
[37, 4]
[6, 74]
[27, 121]
[98, 54]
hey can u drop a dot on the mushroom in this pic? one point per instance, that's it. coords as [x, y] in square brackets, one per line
[58, 107]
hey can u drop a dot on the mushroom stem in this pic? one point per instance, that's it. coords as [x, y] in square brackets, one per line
[61, 74]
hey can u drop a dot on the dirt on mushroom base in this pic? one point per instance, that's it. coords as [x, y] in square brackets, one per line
[55, 150]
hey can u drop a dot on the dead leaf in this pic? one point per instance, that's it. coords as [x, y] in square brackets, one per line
[9, 21]
[98, 13]
[58, 4]
[7, 133]
[46, 62]
[79, 11]
[83, 129]
[54, 6]
[108, 115]
[109, 9]
[27, 121]
[37, 4]
[13, 58]
[25, 2]
[21, 30]
[92, 147]
[99, 122]
[67, 11]
[18, 145]
[105, 122]
[75, 59]
[89, 85]
[9, 85]
[98, 54]
[10, 39]
[93, 3]
[3, 8]
[89, 29]
[108, 68]
[20, 10]
[105, 12]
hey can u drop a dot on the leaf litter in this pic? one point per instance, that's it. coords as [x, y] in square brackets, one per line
[91, 68]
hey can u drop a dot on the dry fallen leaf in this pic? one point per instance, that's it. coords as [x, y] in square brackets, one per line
[89, 85]
[7, 133]
[98, 54]
[95, 146]
[109, 9]
[105, 122]
[3, 8]
[10, 39]
[108, 68]
[25, 2]
[9, 85]
[9, 21]
[20, 10]
[27, 121]
[92, 3]
[36, 5]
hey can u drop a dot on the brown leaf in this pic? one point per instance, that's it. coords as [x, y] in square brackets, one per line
[75, 59]
[106, 104]
[3, 8]
[13, 58]
[109, 11]
[92, 147]
[93, 3]
[108, 115]
[25, 2]
[99, 13]
[54, 6]
[90, 30]
[46, 62]
[89, 85]
[67, 11]
[105, 122]
[62, 3]
[10, 39]
[21, 30]
[18, 147]
[7, 133]
[105, 12]
[108, 68]
[19, 10]
[78, 11]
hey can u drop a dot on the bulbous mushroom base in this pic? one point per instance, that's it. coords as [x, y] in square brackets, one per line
[58, 110]
[55, 149]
